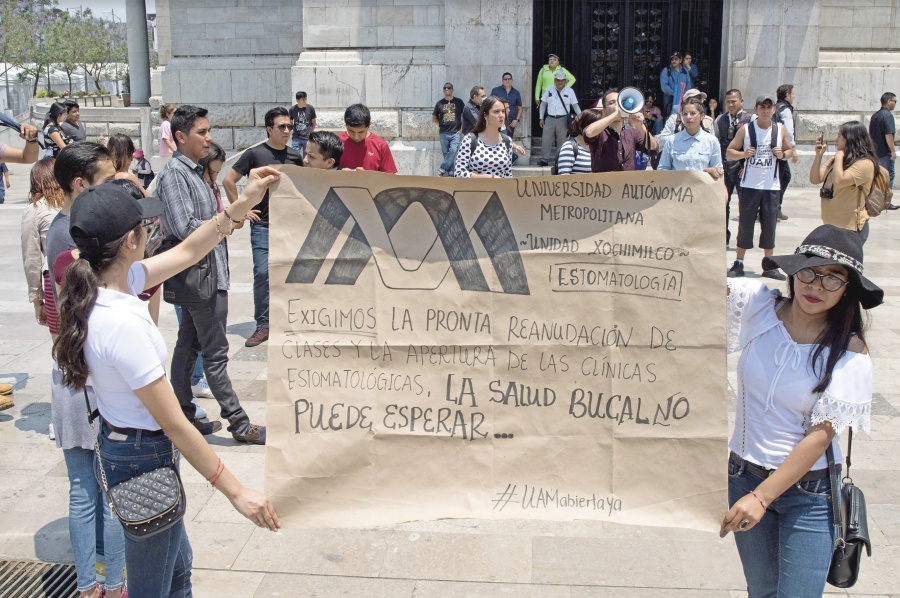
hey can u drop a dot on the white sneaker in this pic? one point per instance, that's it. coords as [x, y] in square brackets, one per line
[201, 412]
[201, 390]
[50, 433]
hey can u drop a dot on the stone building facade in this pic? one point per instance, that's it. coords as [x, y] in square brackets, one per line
[394, 55]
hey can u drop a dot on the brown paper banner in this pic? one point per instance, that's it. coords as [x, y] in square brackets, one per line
[532, 348]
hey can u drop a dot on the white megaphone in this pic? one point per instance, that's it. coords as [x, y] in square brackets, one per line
[631, 100]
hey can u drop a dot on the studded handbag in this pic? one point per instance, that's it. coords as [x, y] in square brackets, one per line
[851, 522]
[146, 504]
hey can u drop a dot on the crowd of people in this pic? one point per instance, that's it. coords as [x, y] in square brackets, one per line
[98, 246]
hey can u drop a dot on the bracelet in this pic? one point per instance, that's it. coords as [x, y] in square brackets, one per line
[759, 499]
[220, 467]
[219, 228]
[230, 218]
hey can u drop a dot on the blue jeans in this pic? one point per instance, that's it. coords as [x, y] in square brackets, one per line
[786, 554]
[85, 500]
[197, 374]
[889, 164]
[159, 565]
[299, 145]
[259, 245]
[449, 147]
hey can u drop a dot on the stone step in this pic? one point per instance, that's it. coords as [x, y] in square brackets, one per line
[530, 170]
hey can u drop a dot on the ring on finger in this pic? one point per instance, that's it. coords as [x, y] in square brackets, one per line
[744, 524]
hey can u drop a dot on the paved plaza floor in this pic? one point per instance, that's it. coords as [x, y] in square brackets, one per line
[438, 559]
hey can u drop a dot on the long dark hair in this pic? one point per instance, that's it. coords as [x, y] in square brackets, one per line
[858, 145]
[486, 105]
[53, 114]
[843, 322]
[122, 149]
[79, 293]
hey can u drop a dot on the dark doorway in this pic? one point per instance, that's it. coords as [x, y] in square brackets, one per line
[626, 43]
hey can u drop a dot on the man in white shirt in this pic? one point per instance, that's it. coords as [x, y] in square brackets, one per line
[556, 104]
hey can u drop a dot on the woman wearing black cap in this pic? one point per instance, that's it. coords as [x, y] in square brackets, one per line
[804, 376]
[106, 333]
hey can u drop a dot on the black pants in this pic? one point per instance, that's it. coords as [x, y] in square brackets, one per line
[784, 177]
[202, 329]
[731, 183]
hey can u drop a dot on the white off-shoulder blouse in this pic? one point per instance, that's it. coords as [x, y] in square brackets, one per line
[775, 402]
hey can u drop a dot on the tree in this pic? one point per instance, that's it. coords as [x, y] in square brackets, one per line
[23, 25]
[63, 44]
[100, 44]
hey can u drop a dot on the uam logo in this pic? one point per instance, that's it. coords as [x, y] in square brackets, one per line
[412, 261]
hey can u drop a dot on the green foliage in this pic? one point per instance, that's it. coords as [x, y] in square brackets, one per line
[41, 93]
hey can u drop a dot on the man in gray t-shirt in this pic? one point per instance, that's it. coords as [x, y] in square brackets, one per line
[72, 126]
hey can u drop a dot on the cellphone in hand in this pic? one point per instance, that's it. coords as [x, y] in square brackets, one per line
[821, 136]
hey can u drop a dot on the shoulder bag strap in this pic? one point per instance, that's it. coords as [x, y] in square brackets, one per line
[834, 475]
[562, 101]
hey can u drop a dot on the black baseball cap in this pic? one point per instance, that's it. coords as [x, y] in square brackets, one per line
[104, 213]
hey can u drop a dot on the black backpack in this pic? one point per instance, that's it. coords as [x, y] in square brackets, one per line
[555, 168]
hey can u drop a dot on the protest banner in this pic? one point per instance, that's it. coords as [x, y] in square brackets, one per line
[533, 348]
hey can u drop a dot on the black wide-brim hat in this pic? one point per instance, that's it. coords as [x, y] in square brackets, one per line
[829, 245]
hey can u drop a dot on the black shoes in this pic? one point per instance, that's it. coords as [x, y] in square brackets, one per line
[736, 270]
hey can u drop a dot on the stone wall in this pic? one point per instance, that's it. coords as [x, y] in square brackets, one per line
[395, 58]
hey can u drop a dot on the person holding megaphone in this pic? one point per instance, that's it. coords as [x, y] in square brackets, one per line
[613, 146]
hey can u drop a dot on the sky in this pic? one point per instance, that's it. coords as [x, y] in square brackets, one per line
[101, 6]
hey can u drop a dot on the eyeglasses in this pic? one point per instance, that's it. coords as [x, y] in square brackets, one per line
[282, 127]
[507, 78]
[830, 282]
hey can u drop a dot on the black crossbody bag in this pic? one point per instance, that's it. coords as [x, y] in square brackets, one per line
[849, 512]
[195, 284]
[146, 504]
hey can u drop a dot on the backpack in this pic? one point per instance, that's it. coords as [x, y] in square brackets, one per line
[779, 106]
[880, 195]
[555, 168]
[145, 172]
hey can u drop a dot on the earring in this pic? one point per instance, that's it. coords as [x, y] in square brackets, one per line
[134, 246]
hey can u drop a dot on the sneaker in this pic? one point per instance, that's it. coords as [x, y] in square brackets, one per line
[6, 403]
[774, 273]
[892, 206]
[200, 412]
[782, 215]
[736, 270]
[260, 336]
[51, 433]
[201, 390]
[207, 428]
[255, 434]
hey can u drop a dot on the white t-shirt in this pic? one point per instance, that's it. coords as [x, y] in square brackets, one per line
[759, 172]
[775, 402]
[124, 351]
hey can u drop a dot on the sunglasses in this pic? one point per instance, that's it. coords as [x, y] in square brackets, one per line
[448, 88]
[284, 127]
[507, 78]
[830, 282]
[154, 236]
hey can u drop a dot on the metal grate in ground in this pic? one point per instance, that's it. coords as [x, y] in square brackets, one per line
[31, 579]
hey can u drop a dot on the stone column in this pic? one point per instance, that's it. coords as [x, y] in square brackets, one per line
[138, 52]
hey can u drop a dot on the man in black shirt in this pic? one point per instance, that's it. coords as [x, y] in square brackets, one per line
[882, 131]
[274, 150]
[448, 117]
[471, 110]
[303, 117]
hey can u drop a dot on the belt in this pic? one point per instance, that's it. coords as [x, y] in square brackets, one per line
[762, 472]
[557, 116]
[133, 431]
